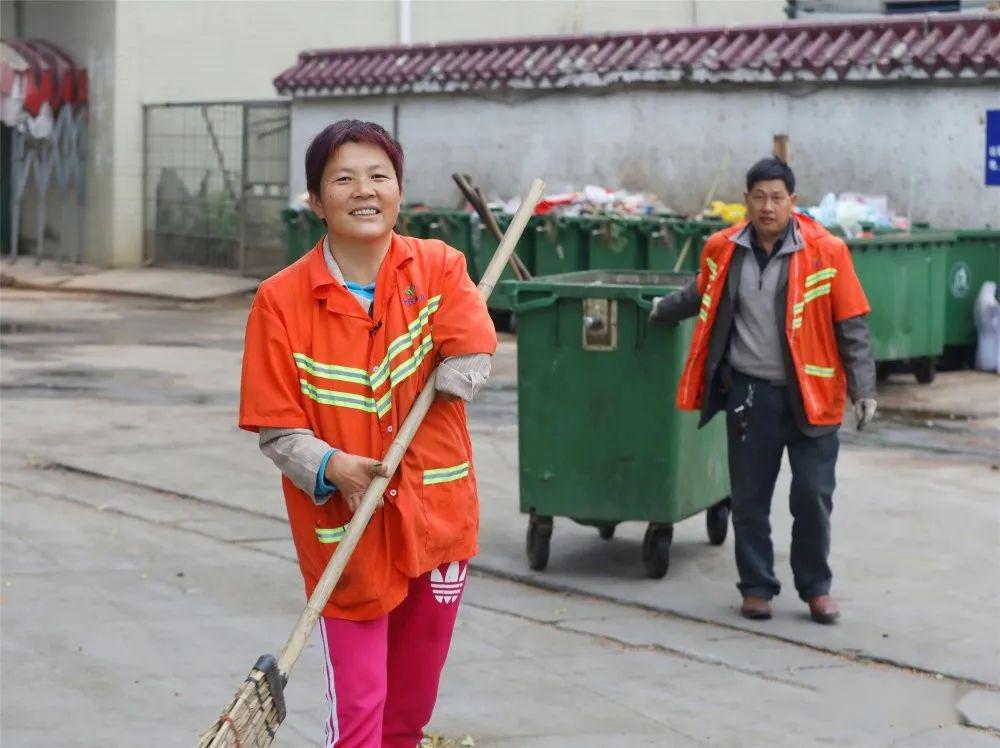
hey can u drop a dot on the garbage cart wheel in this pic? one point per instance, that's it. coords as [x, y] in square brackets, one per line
[537, 546]
[656, 550]
[606, 531]
[717, 521]
[923, 369]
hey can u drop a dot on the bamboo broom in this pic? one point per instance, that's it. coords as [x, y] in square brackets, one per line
[254, 714]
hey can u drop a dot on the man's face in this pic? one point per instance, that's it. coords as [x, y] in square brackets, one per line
[769, 206]
[359, 193]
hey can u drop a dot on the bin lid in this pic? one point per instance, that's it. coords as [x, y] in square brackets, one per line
[605, 284]
[916, 241]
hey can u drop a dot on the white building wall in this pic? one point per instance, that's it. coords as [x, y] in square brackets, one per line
[440, 20]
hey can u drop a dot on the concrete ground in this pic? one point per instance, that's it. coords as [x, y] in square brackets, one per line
[146, 564]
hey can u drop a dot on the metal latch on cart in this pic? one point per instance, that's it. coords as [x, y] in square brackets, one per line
[600, 324]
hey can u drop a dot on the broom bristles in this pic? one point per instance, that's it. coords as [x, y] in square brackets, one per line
[249, 721]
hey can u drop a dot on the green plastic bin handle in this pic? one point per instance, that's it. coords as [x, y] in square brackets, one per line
[527, 306]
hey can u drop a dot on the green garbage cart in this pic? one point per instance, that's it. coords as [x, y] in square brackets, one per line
[457, 229]
[903, 277]
[485, 246]
[600, 440]
[414, 223]
[971, 260]
[302, 230]
[614, 243]
[560, 244]
[667, 238]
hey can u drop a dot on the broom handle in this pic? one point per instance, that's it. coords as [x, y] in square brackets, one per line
[331, 575]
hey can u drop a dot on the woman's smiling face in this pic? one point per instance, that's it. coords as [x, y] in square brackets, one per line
[359, 193]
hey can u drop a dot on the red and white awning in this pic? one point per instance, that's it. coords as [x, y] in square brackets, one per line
[38, 79]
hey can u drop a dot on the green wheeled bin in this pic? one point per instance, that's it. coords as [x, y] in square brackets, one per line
[670, 238]
[560, 244]
[971, 260]
[600, 440]
[457, 229]
[302, 230]
[485, 246]
[295, 241]
[614, 243]
[904, 277]
[414, 223]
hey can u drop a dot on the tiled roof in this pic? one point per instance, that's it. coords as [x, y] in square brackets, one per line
[946, 46]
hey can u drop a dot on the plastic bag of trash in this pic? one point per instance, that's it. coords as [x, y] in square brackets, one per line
[987, 313]
[850, 210]
[729, 212]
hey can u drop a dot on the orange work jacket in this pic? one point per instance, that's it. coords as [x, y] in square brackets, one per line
[823, 289]
[314, 359]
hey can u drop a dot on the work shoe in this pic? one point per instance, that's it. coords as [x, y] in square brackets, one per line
[756, 608]
[823, 609]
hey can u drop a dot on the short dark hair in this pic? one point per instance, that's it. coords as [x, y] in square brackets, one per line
[349, 131]
[771, 168]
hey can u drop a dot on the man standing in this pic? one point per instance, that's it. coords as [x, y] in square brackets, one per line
[781, 333]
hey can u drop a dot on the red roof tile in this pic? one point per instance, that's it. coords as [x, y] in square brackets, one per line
[934, 47]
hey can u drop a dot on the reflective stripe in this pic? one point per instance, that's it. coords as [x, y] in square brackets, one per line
[820, 275]
[410, 365]
[713, 269]
[331, 535]
[796, 323]
[382, 371]
[328, 371]
[384, 404]
[817, 292]
[339, 399]
[706, 300]
[703, 315]
[819, 371]
[445, 475]
[797, 308]
[404, 341]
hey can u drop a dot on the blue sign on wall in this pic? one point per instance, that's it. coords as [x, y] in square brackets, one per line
[993, 147]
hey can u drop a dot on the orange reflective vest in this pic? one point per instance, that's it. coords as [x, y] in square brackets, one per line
[823, 289]
[314, 359]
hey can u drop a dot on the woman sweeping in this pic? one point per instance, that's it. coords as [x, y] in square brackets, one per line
[338, 346]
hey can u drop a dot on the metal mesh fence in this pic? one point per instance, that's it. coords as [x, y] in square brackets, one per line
[216, 178]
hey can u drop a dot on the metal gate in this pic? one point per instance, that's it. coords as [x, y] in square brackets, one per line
[215, 181]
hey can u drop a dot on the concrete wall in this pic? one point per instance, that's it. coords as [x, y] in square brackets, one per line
[673, 142]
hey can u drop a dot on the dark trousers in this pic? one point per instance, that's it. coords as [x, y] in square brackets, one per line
[760, 427]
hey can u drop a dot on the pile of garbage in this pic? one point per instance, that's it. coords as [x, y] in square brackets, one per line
[855, 214]
[593, 201]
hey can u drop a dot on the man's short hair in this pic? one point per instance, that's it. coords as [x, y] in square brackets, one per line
[771, 168]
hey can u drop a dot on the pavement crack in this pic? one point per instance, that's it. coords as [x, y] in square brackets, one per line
[848, 656]
[649, 647]
[162, 491]
[141, 518]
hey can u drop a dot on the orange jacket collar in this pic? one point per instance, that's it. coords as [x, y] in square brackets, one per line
[339, 299]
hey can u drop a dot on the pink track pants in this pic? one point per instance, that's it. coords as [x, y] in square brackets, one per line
[382, 675]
